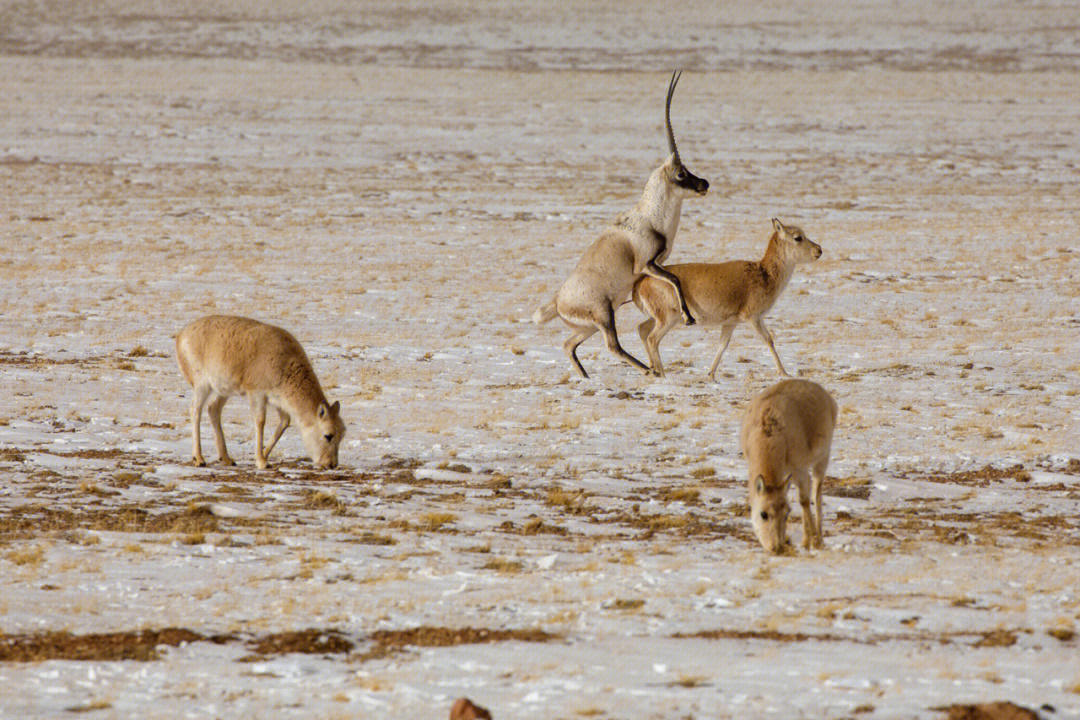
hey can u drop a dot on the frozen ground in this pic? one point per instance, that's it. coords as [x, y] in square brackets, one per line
[401, 185]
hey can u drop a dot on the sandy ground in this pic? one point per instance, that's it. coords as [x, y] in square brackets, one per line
[401, 186]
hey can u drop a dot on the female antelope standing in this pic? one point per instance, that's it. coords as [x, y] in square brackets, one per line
[787, 435]
[724, 294]
[223, 355]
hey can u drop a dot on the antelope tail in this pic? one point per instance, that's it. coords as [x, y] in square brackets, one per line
[545, 313]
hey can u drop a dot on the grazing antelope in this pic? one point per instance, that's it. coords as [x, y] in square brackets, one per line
[221, 356]
[634, 245]
[724, 294]
[786, 435]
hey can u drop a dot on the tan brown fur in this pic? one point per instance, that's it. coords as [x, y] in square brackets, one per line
[724, 294]
[787, 435]
[221, 356]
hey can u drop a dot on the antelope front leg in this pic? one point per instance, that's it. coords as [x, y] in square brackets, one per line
[656, 331]
[819, 480]
[809, 534]
[654, 270]
[725, 338]
[283, 423]
[768, 338]
[258, 415]
[643, 331]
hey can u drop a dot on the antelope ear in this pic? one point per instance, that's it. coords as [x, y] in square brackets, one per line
[759, 485]
[777, 225]
[336, 407]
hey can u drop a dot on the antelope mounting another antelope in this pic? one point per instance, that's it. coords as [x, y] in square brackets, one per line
[221, 356]
[787, 435]
[724, 294]
[636, 244]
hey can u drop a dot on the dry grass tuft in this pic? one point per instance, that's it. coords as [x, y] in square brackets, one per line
[33, 555]
[689, 681]
[90, 706]
[321, 500]
[687, 496]
[434, 521]
[537, 526]
[997, 638]
[372, 538]
[626, 604]
[503, 566]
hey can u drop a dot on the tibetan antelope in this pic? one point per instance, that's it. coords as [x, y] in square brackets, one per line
[724, 294]
[787, 435]
[634, 245]
[221, 356]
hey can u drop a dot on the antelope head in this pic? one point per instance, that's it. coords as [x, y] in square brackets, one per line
[794, 243]
[678, 174]
[768, 513]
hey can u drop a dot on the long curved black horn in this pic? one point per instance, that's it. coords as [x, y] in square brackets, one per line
[672, 147]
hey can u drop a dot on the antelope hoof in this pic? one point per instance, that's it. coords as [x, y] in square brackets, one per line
[228, 461]
[261, 463]
[689, 319]
[198, 461]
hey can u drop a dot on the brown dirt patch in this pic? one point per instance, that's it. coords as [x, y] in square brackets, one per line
[143, 645]
[447, 637]
[993, 638]
[311, 641]
[769, 635]
[989, 711]
[982, 477]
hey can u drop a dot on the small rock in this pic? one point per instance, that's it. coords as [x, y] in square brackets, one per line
[465, 709]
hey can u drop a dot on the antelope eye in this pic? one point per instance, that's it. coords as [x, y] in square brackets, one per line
[681, 175]
[798, 238]
[764, 515]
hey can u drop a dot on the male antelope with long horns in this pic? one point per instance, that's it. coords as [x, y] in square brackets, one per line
[634, 245]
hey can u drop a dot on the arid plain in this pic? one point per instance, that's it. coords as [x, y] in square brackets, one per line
[401, 185]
